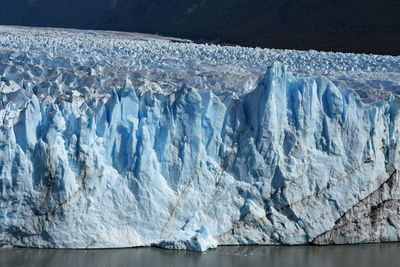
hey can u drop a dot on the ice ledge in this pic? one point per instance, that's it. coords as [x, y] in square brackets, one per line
[200, 241]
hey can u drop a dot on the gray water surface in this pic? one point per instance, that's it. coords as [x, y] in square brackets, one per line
[382, 255]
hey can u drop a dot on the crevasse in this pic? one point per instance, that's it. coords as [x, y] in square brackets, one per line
[295, 160]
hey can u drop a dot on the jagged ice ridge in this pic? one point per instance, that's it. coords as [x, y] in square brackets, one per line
[123, 140]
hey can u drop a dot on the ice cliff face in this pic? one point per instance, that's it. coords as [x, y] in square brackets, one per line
[292, 159]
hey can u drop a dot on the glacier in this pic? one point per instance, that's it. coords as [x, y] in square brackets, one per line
[112, 140]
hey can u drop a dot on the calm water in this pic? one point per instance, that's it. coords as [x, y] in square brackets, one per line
[381, 255]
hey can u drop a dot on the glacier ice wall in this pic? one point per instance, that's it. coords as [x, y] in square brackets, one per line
[108, 141]
[287, 163]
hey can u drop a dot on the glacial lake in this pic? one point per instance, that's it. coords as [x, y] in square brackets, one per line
[382, 255]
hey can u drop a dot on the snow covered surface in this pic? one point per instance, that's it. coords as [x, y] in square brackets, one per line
[119, 140]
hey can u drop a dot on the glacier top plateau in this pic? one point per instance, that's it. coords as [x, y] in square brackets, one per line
[74, 58]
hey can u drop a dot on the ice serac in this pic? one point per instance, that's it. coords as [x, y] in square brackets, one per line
[294, 160]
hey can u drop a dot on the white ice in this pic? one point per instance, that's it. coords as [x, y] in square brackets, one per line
[124, 140]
